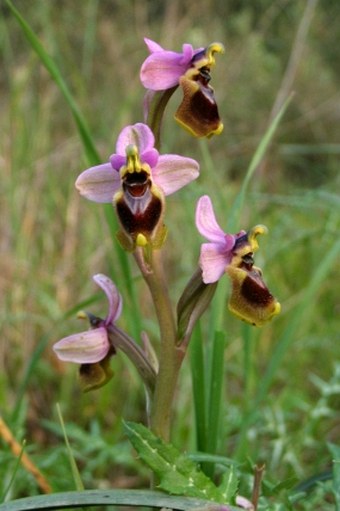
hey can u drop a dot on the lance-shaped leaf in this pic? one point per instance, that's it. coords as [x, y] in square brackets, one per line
[177, 473]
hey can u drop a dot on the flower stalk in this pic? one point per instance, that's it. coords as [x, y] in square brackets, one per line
[155, 104]
[170, 357]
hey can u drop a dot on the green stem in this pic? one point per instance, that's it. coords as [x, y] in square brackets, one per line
[170, 357]
[156, 111]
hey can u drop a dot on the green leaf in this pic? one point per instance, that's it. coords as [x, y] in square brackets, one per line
[229, 484]
[177, 473]
[89, 498]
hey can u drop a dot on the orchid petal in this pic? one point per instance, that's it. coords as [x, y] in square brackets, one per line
[213, 261]
[113, 296]
[117, 161]
[139, 135]
[152, 45]
[172, 172]
[206, 221]
[84, 348]
[187, 54]
[150, 157]
[162, 70]
[99, 183]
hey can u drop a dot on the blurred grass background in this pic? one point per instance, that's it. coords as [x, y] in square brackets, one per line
[52, 241]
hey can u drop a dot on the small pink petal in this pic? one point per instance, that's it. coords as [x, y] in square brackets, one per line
[113, 296]
[213, 261]
[117, 161]
[162, 70]
[172, 172]
[83, 348]
[139, 135]
[150, 157]
[206, 221]
[99, 183]
[244, 503]
[187, 54]
[152, 45]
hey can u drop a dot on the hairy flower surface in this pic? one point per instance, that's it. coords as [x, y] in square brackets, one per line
[250, 298]
[136, 179]
[163, 70]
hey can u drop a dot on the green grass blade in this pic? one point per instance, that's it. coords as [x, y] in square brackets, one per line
[215, 392]
[248, 347]
[52, 68]
[207, 405]
[88, 498]
[213, 378]
[199, 386]
[14, 473]
[236, 209]
[75, 472]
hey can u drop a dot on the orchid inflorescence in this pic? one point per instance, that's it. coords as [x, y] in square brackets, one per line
[136, 180]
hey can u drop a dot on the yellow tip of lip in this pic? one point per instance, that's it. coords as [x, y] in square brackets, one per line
[215, 48]
[253, 233]
[141, 240]
[211, 50]
[218, 131]
[277, 309]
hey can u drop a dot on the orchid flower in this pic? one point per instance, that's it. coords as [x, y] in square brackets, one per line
[164, 70]
[217, 254]
[136, 179]
[250, 298]
[92, 348]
